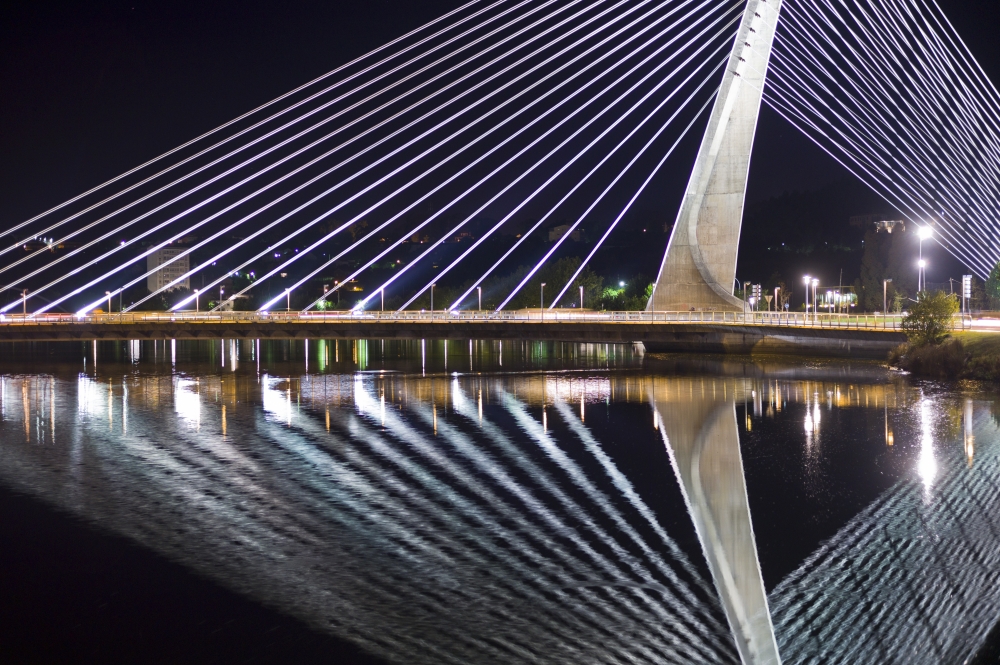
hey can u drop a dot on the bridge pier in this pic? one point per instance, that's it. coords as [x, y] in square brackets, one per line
[699, 268]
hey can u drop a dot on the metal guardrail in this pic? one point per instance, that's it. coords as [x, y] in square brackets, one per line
[791, 319]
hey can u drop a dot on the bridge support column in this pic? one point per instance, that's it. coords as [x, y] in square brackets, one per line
[699, 268]
[697, 419]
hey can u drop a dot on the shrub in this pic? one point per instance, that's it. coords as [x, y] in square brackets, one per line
[930, 319]
[942, 361]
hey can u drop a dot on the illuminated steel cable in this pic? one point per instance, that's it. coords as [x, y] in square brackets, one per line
[642, 187]
[270, 103]
[426, 172]
[256, 157]
[426, 195]
[524, 173]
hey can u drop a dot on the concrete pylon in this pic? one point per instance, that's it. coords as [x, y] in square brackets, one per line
[697, 418]
[699, 268]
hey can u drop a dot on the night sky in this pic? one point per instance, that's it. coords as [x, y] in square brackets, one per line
[88, 90]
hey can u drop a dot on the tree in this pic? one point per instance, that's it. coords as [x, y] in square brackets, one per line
[993, 289]
[930, 318]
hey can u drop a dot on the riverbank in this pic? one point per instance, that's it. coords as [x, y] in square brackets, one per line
[964, 355]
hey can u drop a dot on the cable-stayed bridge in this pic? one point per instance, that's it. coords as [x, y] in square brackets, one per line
[458, 144]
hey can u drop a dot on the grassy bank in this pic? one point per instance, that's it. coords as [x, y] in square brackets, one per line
[964, 355]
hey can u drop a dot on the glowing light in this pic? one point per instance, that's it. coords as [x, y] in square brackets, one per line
[187, 401]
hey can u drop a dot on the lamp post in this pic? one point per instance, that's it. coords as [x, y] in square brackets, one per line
[581, 298]
[24, 302]
[924, 233]
[542, 298]
[746, 287]
[222, 291]
[885, 296]
[432, 299]
[807, 280]
[382, 292]
[480, 290]
[815, 283]
[108, 294]
[288, 300]
[197, 305]
[777, 301]
[336, 287]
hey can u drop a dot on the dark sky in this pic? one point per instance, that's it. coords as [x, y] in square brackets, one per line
[88, 90]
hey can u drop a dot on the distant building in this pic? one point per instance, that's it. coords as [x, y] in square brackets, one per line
[167, 273]
[889, 225]
[878, 222]
[557, 232]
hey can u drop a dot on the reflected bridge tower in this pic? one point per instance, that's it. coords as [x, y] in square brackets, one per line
[699, 268]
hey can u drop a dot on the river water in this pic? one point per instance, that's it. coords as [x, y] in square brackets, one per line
[478, 502]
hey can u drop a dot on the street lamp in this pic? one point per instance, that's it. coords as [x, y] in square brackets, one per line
[815, 283]
[480, 290]
[24, 302]
[543, 300]
[921, 279]
[807, 280]
[108, 294]
[288, 300]
[776, 300]
[222, 291]
[924, 233]
[432, 298]
[382, 291]
[581, 298]
[336, 287]
[885, 299]
[197, 305]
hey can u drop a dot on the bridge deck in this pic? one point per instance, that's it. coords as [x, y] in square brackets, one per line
[848, 336]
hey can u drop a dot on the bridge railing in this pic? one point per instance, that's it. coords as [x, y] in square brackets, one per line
[780, 319]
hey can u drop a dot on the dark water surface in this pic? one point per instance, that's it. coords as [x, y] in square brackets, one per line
[393, 502]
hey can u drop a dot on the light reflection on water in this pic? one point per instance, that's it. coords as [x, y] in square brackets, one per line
[524, 512]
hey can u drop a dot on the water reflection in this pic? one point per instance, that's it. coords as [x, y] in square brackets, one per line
[556, 508]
